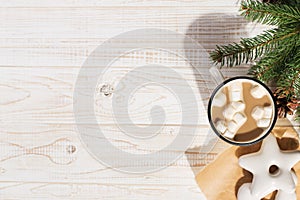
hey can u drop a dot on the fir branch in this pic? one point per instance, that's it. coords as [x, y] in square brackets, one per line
[289, 79]
[293, 67]
[291, 2]
[271, 14]
[287, 2]
[270, 66]
[252, 48]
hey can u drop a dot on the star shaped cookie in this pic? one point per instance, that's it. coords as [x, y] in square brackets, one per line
[271, 169]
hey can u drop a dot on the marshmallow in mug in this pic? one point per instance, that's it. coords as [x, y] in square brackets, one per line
[262, 115]
[236, 92]
[257, 92]
[238, 106]
[220, 99]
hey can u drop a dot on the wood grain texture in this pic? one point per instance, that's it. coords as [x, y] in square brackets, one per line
[43, 44]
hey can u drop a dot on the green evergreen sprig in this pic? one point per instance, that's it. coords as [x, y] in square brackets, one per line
[271, 14]
[250, 49]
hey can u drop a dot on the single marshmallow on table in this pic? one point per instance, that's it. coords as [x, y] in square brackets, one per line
[238, 106]
[228, 112]
[221, 126]
[219, 99]
[258, 112]
[258, 91]
[236, 92]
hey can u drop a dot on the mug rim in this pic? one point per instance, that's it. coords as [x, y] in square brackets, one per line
[270, 128]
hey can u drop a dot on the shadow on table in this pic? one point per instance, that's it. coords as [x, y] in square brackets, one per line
[208, 31]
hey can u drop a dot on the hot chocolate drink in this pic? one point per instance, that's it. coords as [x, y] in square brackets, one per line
[242, 110]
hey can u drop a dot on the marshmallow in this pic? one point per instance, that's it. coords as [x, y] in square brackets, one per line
[221, 126]
[229, 134]
[219, 99]
[236, 86]
[268, 112]
[238, 106]
[235, 91]
[229, 112]
[239, 118]
[233, 127]
[236, 95]
[258, 91]
[263, 123]
[257, 112]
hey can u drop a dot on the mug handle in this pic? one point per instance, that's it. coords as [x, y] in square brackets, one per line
[216, 74]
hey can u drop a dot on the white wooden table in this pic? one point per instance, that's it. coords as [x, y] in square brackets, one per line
[43, 44]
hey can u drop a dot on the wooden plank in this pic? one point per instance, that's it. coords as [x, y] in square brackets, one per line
[60, 191]
[44, 95]
[116, 3]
